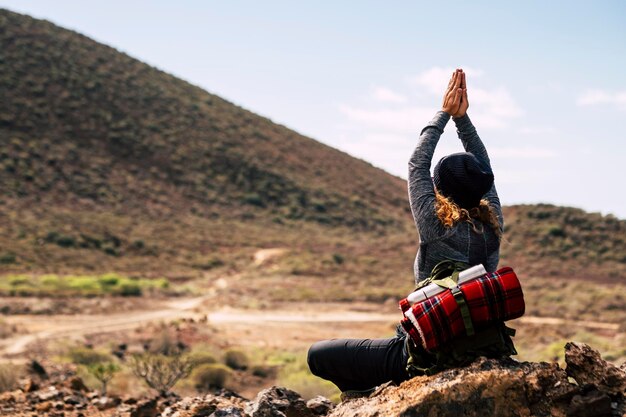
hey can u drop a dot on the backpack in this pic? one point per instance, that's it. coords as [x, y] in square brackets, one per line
[448, 337]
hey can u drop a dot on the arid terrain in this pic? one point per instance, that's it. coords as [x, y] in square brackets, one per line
[156, 239]
[274, 335]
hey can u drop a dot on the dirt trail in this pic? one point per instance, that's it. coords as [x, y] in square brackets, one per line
[326, 318]
[50, 327]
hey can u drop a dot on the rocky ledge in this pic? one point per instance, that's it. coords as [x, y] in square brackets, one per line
[588, 386]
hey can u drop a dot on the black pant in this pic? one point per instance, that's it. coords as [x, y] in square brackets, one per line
[359, 364]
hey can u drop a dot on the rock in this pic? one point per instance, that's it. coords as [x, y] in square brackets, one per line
[592, 404]
[145, 408]
[278, 402]
[44, 407]
[72, 399]
[7, 398]
[30, 385]
[93, 394]
[104, 403]
[319, 405]
[203, 409]
[210, 405]
[75, 383]
[48, 395]
[37, 369]
[587, 367]
[228, 412]
[487, 387]
[503, 387]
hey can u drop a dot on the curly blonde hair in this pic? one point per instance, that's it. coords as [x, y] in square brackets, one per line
[449, 213]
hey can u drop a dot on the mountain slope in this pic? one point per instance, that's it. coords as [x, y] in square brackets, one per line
[84, 121]
[109, 164]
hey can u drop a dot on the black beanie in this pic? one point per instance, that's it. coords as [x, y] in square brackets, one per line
[463, 178]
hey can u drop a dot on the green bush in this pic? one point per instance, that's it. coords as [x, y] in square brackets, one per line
[66, 241]
[202, 358]
[8, 258]
[84, 285]
[80, 285]
[50, 281]
[338, 258]
[210, 263]
[18, 280]
[236, 359]
[262, 371]
[86, 356]
[129, 288]
[253, 199]
[109, 280]
[112, 251]
[210, 376]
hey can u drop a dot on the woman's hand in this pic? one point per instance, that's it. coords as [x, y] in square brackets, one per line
[455, 101]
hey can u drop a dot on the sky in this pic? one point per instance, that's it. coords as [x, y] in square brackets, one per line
[546, 79]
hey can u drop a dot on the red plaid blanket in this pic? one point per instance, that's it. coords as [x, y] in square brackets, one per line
[491, 298]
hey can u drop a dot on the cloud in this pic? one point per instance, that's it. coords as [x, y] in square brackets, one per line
[537, 130]
[386, 95]
[522, 153]
[383, 126]
[595, 97]
[435, 79]
[408, 119]
[387, 151]
[492, 107]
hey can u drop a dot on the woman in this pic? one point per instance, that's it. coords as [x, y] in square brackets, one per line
[458, 218]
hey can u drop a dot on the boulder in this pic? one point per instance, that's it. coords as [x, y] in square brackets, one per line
[587, 367]
[504, 388]
[75, 383]
[278, 402]
[320, 406]
[145, 408]
[30, 385]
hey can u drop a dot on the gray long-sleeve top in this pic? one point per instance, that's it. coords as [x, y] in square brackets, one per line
[459, 242]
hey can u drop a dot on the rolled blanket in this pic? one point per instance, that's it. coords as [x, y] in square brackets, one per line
[491, 298]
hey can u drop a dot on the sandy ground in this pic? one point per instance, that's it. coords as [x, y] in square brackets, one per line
[286, 327]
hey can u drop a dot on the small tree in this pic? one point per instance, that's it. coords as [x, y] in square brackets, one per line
[161, 372]
[103, 372]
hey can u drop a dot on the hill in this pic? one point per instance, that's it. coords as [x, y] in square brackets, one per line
[82, 121]
[108, 164]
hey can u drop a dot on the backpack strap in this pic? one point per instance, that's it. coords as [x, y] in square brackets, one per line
[465, 313]
[451, 283]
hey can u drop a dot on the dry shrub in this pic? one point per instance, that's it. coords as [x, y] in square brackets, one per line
[103, 372]
[9, 375]
[160, 372]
